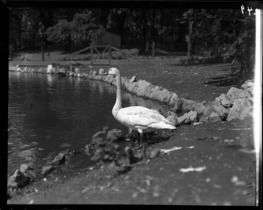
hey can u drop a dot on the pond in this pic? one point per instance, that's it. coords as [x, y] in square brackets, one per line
[48, 114]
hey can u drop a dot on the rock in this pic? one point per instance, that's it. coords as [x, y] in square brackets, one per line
[18, 180]
[235, 93]
[154, 153]
[115, 135]
[50, 69]
[101, 72]
[59, 159]
[133, 79]
[62, 71]
[187, 105]
[184, 119]
[143, 88]
[130, 85]
[77, 70]
[224, 100]
[94, 73]
[160, 94]
[192, 116]
[172, 117]
[188, 117]
[208, 110]
[47, 169]
[130, 155]
[221, 111]
[247, 112]
[174, 99]
[24, 168]
[199, 108]
[249, 86]
[214, 117]
[239, 106]
[204, 119]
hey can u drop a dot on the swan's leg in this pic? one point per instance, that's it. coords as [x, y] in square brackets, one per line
[141, 144]
[129, 134]
[141, 136]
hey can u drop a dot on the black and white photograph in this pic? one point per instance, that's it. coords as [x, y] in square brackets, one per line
[131, 102]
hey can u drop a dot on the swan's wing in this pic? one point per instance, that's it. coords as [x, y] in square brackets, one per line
[140, 116]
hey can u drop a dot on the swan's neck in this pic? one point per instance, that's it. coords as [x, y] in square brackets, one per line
[117, 105]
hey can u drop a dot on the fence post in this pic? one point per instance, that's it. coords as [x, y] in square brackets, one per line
[91, 52]
[109, 54]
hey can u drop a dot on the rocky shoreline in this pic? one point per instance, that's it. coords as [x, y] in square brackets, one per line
[235, 104]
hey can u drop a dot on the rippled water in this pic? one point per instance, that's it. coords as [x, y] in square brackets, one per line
[47, 114]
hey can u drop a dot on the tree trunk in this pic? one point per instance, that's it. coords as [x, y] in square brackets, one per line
[189, 39]
[144, 31]
[153, 48]
[20, 35]
[42, 52]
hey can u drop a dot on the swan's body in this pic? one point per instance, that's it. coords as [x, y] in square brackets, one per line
[137, 117]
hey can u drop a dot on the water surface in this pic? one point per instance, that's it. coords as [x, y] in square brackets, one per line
[48, 114]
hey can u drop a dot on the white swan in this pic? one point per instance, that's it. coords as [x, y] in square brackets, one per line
[137, 117]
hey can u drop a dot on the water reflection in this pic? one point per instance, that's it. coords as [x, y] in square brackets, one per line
[46, 112]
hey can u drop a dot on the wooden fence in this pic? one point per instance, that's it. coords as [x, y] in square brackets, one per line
[98, 50]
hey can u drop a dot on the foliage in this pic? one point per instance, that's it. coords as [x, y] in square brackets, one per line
[145, 24]
[81, 30]
[230, 34]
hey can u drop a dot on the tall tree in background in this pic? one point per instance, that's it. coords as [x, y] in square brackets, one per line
[144, 23]
[226, 32]
[81, 30]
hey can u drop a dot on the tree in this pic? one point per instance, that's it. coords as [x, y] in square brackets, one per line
[230, 34]
[79, 31]
[145, 24]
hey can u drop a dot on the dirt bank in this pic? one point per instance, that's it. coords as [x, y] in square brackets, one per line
[219, 152]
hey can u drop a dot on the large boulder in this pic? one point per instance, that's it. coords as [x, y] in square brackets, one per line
[188, 118]
[235, 93]
[241, 109]
[18, 180]
[214, 117]
[143, 88]
[224, 100]
[130, 85]
[187, 105]
[164, 95]
[199, 108]
[221, 111]
[174, 102]
[249, 86]
[172, 117]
